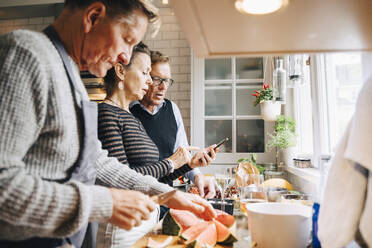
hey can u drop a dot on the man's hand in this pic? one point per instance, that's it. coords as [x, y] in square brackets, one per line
[202, 158]
[206, 185]
[193, 203]
[182, 155]
[130, 208]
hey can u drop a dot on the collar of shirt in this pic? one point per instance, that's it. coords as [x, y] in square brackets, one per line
[157, 108]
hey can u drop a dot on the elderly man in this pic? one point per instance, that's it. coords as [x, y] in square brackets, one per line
[50, 154]
[163, 121]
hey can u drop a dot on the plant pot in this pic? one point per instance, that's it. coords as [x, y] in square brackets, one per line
[270, 110]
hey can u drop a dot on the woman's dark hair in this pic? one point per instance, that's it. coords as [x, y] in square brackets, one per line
[111, 78]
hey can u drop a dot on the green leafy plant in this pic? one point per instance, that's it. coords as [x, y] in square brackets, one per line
[284, 134]
[265, 94]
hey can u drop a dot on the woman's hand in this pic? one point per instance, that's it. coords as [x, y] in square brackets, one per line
[204, 157]
[182, 156]
[130, 208]
[193, 203]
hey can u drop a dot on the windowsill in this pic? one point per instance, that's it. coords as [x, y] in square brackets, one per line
[310, 174]
[305, 180]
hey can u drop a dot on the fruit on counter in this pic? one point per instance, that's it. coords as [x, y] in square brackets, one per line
[194, 231]
[177, 221]
[224, 236]
[200, 233]
[156, 244]
[277, 182]
[242, 170]
[207, 238]
[225, 218]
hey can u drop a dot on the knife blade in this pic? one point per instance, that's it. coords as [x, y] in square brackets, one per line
[164, 197]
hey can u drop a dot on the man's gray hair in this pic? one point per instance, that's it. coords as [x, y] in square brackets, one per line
[123, 9]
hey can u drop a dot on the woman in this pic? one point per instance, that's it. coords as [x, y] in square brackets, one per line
[125, 138]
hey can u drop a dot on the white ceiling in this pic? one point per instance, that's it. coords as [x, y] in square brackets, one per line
[216, 28]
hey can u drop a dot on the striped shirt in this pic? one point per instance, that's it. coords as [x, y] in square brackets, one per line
[125, 138]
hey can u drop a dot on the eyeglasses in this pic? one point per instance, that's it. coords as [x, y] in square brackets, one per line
[158, 81]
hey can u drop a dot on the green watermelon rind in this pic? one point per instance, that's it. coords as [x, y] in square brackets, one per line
[194, 244]
[230, 240]
[170, 226]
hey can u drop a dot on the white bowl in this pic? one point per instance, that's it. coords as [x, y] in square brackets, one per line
[278, 225]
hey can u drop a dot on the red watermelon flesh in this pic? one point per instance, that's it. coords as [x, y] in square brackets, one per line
[224, 236]
[193, 232]
[225, 218]
[177, 221]
[208, 237]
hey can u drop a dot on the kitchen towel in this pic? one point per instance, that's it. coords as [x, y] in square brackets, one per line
[347, 199]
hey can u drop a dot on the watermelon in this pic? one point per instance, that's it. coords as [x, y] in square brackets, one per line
[193, 232]
[225, 218]
[207, 238]
[177, 221]
[224, 236]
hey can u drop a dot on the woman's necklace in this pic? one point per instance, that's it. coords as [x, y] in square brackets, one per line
[114, 103]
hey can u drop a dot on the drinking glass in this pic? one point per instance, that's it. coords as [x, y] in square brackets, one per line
[251, 191]
[224, 179]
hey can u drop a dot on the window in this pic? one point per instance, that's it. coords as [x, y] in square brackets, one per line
[223, 106]
[325, 105]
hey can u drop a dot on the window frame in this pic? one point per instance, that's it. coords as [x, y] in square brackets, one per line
[322, 86]
[198, 118]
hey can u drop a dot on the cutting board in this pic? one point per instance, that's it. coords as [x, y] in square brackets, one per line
[175, 243]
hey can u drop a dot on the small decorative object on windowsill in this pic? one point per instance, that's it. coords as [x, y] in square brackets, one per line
[302, 162]
[270, 109]
[283, 137]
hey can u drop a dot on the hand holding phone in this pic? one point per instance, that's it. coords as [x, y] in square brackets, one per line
[219, 144]
[206, 160]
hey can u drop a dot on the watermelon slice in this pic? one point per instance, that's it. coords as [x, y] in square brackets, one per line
[225, 218]
[177, 221]
[156, 244]
[193, 232]
[224, 236]
[207, 238]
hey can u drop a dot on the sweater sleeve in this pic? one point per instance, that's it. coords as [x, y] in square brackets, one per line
[29, 205]
[111, 173]
[113, 140]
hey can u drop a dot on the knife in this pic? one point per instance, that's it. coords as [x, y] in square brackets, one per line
[164, 197]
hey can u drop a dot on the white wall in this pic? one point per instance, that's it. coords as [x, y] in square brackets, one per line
[36, 23]
[172, 42]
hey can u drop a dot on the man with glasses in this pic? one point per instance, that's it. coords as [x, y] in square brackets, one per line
[163, 121]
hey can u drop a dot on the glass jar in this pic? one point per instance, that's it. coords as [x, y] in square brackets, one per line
[279, 82]
[268, 174]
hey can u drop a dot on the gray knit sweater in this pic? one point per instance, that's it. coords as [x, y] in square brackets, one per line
[40, 138]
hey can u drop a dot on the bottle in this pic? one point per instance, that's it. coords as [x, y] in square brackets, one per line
[279, 82]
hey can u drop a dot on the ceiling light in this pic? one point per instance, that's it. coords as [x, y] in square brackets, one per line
[164, 1]
[258, 7]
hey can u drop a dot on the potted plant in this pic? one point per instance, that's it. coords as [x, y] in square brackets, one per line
[270, 109]
[284, 138]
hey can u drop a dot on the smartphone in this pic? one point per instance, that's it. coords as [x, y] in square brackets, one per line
[220, 144]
